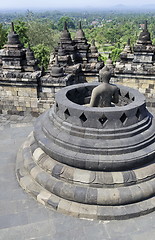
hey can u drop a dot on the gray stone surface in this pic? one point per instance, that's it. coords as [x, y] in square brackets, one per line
[21, 217]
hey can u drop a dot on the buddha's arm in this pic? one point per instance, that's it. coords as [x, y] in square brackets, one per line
[115, 98]
[95, 98]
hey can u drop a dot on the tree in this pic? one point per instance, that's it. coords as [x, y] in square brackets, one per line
[42, 53]
[41, 37]
[69, 22]
[115, 54]
[3, 35]
[40, 32]
[21, 29]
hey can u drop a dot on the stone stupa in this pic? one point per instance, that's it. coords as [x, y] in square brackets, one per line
[92, 162]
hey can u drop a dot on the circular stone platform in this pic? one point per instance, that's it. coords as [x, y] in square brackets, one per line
[89, 162]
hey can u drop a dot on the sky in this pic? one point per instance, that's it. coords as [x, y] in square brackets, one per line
[57, 4]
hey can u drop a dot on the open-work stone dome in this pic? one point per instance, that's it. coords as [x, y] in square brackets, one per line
[92, 162]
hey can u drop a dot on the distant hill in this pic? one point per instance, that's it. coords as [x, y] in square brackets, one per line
[120, 6]
[148, 6]
[89, 8]
[134, 8]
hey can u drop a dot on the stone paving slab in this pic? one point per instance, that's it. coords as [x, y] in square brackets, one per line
[21, 217]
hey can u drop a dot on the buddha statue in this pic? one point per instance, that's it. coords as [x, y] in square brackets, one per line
[104, 94]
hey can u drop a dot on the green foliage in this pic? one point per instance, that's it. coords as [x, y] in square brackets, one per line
[109, 29]
[22, 29]
[115, 54]
[113, 35]
[41, 32]
[102, 58]
[3, 35]
[66, 19]
[42, 53]
[41, 37]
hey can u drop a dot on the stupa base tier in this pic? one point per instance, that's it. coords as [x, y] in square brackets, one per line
[83, 193]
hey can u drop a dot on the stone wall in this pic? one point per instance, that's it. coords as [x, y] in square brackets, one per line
[22, 100]
[145, 84]
[22, 93]
[19, 100]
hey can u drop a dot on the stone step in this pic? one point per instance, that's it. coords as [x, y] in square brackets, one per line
[118, 195]
[78, 209]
